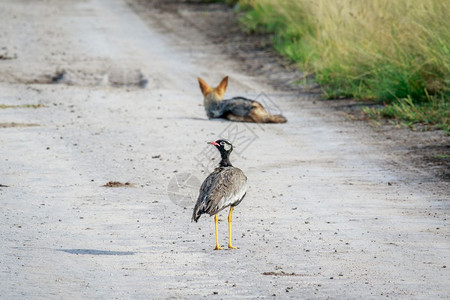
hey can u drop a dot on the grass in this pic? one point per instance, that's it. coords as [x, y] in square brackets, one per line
[433, 113]
[396, 52]
[3, 106]
[442, 157]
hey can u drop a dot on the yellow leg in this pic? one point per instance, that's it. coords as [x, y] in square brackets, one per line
[216, 220]
[230, 215]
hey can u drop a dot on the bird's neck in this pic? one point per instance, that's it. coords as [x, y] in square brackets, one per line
[225, 162]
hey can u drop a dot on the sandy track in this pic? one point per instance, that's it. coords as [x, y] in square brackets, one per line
[328, 212]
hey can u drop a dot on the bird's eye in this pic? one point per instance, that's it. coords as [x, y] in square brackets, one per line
[221, 143]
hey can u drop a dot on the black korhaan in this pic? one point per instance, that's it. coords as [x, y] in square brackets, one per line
[225, 187]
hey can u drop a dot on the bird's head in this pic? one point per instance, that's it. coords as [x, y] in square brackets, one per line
[224, 146]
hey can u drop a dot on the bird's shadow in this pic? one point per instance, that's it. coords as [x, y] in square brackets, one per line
[95, 252]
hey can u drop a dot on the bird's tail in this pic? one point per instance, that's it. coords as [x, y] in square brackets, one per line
[198, 211]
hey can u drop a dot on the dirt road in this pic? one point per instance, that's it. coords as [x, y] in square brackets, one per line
[92, 92]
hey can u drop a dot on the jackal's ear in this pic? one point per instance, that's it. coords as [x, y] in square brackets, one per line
[221, 88]
[204, 86]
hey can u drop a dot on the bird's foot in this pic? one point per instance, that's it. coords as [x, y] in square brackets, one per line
[218, 248]
[231, 247]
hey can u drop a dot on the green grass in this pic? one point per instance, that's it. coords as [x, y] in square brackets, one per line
[442, 156]
[395, 52]
[3, 106]
[434, 114]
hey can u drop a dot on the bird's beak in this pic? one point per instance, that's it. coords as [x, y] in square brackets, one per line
[213, 143]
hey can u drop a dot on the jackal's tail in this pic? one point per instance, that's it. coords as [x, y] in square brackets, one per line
[260, 115]
[274, 119]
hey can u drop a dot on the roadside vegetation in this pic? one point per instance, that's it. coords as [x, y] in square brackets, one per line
[394, 52]
[4, 106]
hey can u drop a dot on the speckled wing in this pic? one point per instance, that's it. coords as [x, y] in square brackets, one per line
[229, 188]
[222, 188]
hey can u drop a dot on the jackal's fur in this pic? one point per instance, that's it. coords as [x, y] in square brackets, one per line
[235, 109]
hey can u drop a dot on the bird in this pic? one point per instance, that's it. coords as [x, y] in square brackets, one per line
[225, 187]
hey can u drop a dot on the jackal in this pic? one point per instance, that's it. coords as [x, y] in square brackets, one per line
[238, 109]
